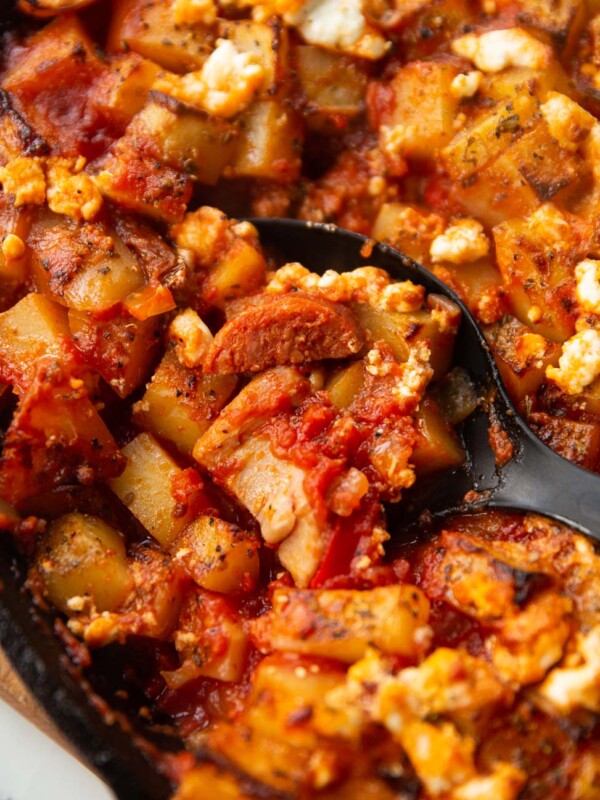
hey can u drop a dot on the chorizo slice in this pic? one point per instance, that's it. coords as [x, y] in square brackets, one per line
[284, 329]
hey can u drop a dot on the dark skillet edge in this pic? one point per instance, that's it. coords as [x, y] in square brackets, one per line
[40, 659]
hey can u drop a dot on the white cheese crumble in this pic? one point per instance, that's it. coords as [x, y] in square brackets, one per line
[587, 275]
[226, 84]
[363, 285]
[338, 25]
[461, 243]
[466, 84]
[192, 338]
[569, 123]
[230, 79]
[579, 364]
[494, 51]
[579, 686]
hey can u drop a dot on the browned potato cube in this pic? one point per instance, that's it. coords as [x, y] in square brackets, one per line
[218, 555]
[149, 28]
[240, 270]
[82, 561]
[270, 143]
[332, 85]
[146, 488]
[488, 135]
[32, 328]
[180, 404]
[341, 623]
[123, 91]
[424, 106]
[438, 447]
[267, 40]
[187, 139]
[121, 348]
[522, 357]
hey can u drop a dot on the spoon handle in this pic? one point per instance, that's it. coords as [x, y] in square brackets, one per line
[538, 479]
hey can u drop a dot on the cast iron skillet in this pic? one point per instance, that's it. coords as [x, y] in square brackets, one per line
[534, 481]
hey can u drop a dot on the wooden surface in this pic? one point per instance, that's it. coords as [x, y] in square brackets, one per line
[14, 692]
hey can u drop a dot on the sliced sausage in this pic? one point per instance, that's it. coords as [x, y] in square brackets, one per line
[284, 329]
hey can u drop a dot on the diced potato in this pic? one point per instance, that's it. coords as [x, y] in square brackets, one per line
[266, 40]
[153, 606]
[123, 91]
[438, 447]
[218, 555]
[140, 183]
[121, 348]
[479, 285]
[342, 623]
[345, 384]
[55, 437]
[561, 20]
[409, 229]
[270, 143]
[82, 559]
[286, 686]
[332, 84]
[53, 72]
[146, 488]
[577, 441]
[17, 137]
[87, 267]
[424, 106]
[522, 357]
[488, 136]
[544, 164]
[32, 328]
[180, 404]
[400, 331]
[149, 28]
[187, 139]
[538, 276]
[238, 272]
[516, 81]
[211, 641]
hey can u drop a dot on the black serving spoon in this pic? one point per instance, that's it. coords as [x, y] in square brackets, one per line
[536, 478]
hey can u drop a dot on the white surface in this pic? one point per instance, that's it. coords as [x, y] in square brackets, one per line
[33, 767]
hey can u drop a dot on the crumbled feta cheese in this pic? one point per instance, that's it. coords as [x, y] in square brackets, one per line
[202, 233]
[24, 178]
[550, 224]
[194, 12]
[70, 191]
[225, 85]
[231, 79]
[192, 336]
[569, 123]
[338, 25]
[579, 364]
[13, 246]
[466, 84]
[362, 285]
[461, 243]
[579, 686]
[587, 275]
[494, 51]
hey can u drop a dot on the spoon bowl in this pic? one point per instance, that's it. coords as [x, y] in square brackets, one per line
[535, 478]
